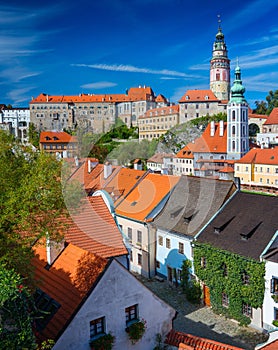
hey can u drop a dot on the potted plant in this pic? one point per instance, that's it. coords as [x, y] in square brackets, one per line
[275, 323]
[275, 297]
[136, 330]
[104, 342]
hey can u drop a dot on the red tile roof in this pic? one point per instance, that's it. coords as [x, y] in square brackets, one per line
[260, 156]
[122, 183]
[270, 346]
[134, 94]
[175, 338]
[66, 281]
[208, 143]
[56, 137]
[158, 157]
[198, 96]
[185, 152]
[93, 180]
[93, 228]
[146, 196]
[161, 98]
[273, 117]
[161, 111]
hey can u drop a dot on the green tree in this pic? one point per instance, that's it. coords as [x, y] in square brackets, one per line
[266, 107]
[32, 199]
[34, 135]
[15, 309]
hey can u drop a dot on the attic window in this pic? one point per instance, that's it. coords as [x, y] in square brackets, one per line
[47, 138]
[246, 235]
[188, 217]
[137, 177]
[175, 212]
[55, 138]
[206, 97]
[217, 230]
[46, 309]
[133, 203]
[187, 97]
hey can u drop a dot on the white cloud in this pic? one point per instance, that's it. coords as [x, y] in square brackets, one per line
[132, 69]
[99, 85]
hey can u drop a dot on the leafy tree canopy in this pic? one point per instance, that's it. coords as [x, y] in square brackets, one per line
[32, 199]
[266, 107]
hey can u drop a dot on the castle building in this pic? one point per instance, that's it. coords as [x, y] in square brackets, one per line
[220, 68]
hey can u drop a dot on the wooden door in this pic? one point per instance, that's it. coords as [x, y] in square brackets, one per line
[206, 295]
[170, 274]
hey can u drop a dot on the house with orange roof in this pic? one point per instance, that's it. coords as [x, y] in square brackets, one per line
[92, 175]
[133, 213]
[258, 170]
[207, 155]
[199, 103]
[157, 121]
[161, 163]
[59, 143]
[161, 101]
[269, 135]
[81, 298]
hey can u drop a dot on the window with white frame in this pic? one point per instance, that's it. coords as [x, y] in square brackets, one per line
[131, 314]
[97, 327]
[139, 259]
[168, 243]
[160, 240]
[246, 310]
[274, 285]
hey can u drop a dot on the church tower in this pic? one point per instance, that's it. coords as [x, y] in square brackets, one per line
[237, 120]
[220, 67]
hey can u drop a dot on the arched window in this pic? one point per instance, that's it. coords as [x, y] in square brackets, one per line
[233, 115]
[233, 145]
[233, 130]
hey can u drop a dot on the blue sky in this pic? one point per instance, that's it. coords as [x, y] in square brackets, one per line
[108, 46]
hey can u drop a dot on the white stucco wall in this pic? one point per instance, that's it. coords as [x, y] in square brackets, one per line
[269, 304]
[171, 257]
[117, 290]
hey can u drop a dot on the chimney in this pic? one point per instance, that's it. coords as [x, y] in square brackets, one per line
[107, 170]
[221, 128]
[53, 249]
[89, 166]
[212, 128]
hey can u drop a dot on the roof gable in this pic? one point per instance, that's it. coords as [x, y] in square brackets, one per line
[198, 96]
[193, 201]
[260, 156]
[241, 226]
[146, 196]
[272, 118]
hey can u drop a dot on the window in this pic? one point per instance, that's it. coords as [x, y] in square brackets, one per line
[181, 248]
[225, 300]
[245, 278]
[97, 327]
[131, 313]
[131, 255]
[275, 314]
[129, 233]
[160, 240]
[168, 243]
[246, 310]
[157, 264]
[139, 259]
[203, 262]
[225, 270]
[274, 285]
[139, 236]
[46, 306]
[179, 274]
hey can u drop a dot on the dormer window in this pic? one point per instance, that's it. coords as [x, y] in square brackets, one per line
[217, 230]
[187, 97]
[47, 138]
[206, 97]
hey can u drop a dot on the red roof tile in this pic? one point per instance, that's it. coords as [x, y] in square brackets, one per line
[273, 117]
[93, 228]
[199, 96]
[158, 157]
[260, 156]
[66, 281]
[146, 196]
[208, 143]
[161, 111]
[175, 338]
[56, 137]
[270, 346]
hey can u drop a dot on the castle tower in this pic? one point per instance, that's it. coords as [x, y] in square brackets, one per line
[220, 67]
[237, 120]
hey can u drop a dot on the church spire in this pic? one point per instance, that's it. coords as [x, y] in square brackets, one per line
[237, 90]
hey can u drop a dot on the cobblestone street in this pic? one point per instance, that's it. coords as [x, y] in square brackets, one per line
[201, 321]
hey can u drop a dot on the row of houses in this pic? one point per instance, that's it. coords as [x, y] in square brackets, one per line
[163, 217]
